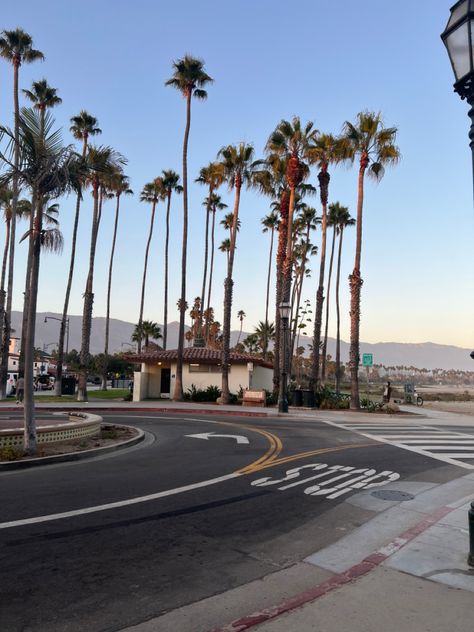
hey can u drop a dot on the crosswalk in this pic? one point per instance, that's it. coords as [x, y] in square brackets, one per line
[456, 448]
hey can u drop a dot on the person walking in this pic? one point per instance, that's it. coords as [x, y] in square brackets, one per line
[20, 389]
[387, 393]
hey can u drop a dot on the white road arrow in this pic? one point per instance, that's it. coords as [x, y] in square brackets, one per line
[208, 435]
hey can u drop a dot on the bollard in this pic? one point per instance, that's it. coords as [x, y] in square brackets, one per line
[470, 559]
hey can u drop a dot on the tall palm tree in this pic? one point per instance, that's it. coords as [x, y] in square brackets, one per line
[99, 161]
[82, 127]
[239, 167]
[270, 223]
[146, 330]
[189, 78]
[225, 247]
[171, 185]
[292, 141]
[240, 315]
[212, 176]
[152, 193]
[215, 204]
[48, 169]
[17, 48]
[374, 146]
[325, 150]
[335, 210]
[265, 332]
[43, 97]
[120, 185]
[343, 221]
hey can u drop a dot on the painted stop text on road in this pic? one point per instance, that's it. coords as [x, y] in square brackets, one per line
[333, 480]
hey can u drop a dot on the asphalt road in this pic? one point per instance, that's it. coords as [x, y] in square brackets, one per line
[192, 516]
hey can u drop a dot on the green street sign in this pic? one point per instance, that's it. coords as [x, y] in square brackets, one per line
[367, 359]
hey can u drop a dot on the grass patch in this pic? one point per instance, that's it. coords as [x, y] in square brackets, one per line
[109, 394]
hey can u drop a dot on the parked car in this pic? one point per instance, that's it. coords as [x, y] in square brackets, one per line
[44, 383]
[11, 383]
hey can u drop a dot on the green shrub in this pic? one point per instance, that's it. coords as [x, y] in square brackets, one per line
[210, 394]
[10, 453]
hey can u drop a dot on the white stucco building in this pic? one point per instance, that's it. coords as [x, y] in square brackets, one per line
[201, 367]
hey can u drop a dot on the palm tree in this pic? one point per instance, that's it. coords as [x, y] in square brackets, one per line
[215, 204]
[375, 147]
[17, 48]
[189, 78]
[48, 169]
[241, 315]
[270, 223]
[228, 223]
[212, 176]
[152, 193]
[291, 141]
[265, 332]
[225, 247]
[325, 150]
[120, 185]
[82, 127]
[343, 221]
[335, 211]
[171, 185]
[43, 97]
[144, 331]
[238, 170]
[99, 161]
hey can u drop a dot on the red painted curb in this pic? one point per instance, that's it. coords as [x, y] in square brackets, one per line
[367, 565]
[193, 411]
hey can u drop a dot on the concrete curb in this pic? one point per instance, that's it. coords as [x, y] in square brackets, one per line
[122, 409]
[74, 456]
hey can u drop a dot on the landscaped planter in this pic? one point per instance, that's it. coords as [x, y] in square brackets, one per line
[79, 425]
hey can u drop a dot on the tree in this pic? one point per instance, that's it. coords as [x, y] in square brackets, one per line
[212, 176]
[99, 162]
[120, 185]
[43, 97]
[325, 150]
[265, 332]
[152, 193]
[49, 170]
[170, 180]
[17, 48]
[374, 145]
[240, 315]
[270, 223]
[189, 78]
[216, 204]
[82, 127]
[238, 166]
[343, 221]
[144, 331]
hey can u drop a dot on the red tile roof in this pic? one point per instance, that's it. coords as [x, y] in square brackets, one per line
[204, 355]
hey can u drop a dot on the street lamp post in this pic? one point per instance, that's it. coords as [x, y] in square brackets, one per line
[458, 37]
[46, 318]
[285, 309]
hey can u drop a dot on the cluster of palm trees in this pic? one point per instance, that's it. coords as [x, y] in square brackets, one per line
[37, 168]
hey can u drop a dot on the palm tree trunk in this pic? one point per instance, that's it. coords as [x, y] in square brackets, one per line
[32, 275]
[88, 303]
[280, 259]
[228, 288]
[109, 289]
[6, 249]
[267, 298]
[355, 284]
[211, 270]
[206, 257]
[326, 326]
[145, 268]
[62, 326]
[323, 178]
[167, 241]
[338, 314]
[178, 385]
[11, 262]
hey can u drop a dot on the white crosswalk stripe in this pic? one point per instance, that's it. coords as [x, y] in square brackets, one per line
[456, 448]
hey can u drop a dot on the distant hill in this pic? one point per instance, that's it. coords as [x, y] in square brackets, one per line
[426, 355]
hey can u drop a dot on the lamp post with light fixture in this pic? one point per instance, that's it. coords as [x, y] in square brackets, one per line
[285, 310]
[458, 37]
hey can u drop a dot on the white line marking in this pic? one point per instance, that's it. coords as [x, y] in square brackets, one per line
[120, 503]
[210, 435]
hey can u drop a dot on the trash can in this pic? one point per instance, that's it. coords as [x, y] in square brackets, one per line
[297, 397]
[68, 385]
[308, 398]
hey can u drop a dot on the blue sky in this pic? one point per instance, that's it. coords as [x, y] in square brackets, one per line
[321, 60]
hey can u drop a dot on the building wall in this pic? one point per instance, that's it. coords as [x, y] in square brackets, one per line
[262, 377]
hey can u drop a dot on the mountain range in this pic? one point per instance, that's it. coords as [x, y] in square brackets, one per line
[426, 355]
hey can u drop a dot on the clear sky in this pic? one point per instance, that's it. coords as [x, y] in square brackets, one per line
[322, 60]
